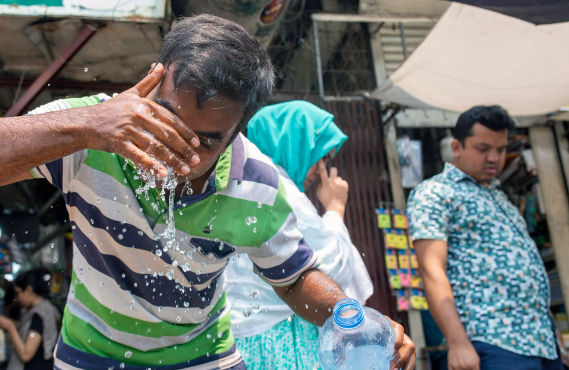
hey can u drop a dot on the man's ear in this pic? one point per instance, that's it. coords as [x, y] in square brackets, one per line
[456, 147]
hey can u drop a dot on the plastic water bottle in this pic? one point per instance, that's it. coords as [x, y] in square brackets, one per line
[356, 338]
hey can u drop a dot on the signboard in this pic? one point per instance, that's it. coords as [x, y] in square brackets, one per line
[128, 10]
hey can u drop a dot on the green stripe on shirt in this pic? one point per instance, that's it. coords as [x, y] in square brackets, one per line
[86, 338]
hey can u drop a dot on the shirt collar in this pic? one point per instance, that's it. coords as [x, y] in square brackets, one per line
[456, 175]
[230, 164]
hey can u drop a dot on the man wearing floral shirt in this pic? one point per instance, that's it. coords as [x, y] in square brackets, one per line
[485, 281]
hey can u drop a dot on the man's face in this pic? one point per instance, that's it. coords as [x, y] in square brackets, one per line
[483, 155]
[214, 124]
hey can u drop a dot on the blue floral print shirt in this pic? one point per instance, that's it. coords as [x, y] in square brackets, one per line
[498, 279]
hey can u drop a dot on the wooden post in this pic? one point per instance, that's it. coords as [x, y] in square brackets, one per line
[554, 194]
[399, 201]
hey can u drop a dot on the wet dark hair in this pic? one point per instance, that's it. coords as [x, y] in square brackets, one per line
[39, 279]
[493, 117]
[214, 56]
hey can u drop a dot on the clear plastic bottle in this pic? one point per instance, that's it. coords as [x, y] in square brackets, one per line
[356, 338]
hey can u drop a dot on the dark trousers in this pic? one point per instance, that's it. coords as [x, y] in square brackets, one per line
[495, 358]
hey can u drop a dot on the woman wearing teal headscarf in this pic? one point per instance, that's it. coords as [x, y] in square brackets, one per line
[300, 138]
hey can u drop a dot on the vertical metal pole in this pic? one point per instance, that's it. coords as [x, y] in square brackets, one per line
[403, 41]
[318, 60]
[414, 316]
[55, 67]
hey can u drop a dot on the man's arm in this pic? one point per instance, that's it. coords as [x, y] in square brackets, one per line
[129, 124]
[313, 297]
[432, 257]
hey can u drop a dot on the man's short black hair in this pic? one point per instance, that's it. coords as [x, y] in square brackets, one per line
[214, 56]
[493, 117]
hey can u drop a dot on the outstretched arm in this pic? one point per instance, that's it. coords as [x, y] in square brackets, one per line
[313, 297]
[130, 124]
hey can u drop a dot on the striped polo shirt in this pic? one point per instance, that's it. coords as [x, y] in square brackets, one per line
[134, 302]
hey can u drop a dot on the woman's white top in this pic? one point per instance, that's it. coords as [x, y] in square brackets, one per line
[255, 307]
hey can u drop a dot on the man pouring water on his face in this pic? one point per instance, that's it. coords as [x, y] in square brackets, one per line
[163, 192]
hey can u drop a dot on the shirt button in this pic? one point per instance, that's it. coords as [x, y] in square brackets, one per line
[164, 217]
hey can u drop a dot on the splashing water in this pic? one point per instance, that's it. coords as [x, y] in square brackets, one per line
[169, 183]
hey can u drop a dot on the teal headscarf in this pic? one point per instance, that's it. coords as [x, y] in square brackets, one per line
[296, 135]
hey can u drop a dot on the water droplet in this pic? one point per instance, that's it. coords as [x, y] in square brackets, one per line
[208, 336]
[254, 294]
[254, 229]
[259, 205]
[32, 335]
[73, 227]
[186, 304]
[92, 222]
[186, 267]
[52, 245]
[158, 252]
[250, 220]
[175, 263]
[170, 275]
[86, 69]
[246, 313]
[122, 365]
[55, 260]
[128, 354]
[101, 283]
[256, 308]
[123, 276]
[316, 366]
[179, 318]
[219, 335]
[306, 305]
[210, 256]
[121, 236]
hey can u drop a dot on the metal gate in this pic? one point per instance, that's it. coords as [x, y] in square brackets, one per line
[362, 163]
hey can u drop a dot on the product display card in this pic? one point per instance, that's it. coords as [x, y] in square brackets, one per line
[405, 276]
[383, 218]
[395, 239]
[414, 261]
[402, 300]
[391, 259]
[400, 220]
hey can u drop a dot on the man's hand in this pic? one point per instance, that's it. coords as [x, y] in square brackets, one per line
[137, 128]
[332, 190]
[463, 357]
[404, 349]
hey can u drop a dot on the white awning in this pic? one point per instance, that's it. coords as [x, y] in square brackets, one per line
[475, 56]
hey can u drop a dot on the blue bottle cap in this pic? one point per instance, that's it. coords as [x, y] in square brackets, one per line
[348, 304]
